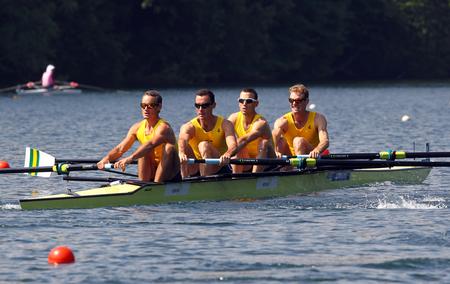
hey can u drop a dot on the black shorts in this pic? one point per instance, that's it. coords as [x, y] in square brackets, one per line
[176, 178]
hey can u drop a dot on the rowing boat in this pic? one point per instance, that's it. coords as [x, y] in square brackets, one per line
[226, 187]
[48, 91]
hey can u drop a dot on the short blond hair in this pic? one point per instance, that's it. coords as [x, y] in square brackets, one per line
[299, 89]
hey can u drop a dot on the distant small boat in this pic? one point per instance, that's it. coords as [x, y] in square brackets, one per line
[57, 90]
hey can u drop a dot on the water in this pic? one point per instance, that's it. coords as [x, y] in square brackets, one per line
[378, 233]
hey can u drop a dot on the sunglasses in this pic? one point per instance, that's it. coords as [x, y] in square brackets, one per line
[297, 100]
[150, 105]
[203, 106]
[247, 101]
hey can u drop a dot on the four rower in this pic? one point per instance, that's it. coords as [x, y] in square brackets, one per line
[300, 131]
[157, 156]
[245, 134]
[206, 136]
[253, 132]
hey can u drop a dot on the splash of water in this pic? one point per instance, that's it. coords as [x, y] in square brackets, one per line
[406, 203]
[10, 206]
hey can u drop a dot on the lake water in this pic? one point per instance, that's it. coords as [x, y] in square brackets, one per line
[378, 233]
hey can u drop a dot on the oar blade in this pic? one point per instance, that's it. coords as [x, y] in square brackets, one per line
[36, 158]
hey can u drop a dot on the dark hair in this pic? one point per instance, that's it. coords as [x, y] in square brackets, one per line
[299, 89]
[206, 92]
[154, 94]
[250, 90]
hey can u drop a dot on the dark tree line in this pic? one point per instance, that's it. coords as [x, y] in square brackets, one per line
[173, 42]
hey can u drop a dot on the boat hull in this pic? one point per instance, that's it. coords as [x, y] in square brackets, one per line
[45, 91]
[217, 189]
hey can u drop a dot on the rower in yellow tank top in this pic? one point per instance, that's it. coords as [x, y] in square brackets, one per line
[207, 136]
[143, 138]
[216, 136]
[308, 131]
[157, 155]
[252, 147]
[311, 136]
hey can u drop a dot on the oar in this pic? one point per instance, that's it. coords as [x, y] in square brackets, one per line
[384, 155]
[82, 161]
[107, 179]
[214, 161]
[35, 158]
[77, 161]
[78, 85]
[317, 163]
[387, 155]
[15, 87]
[311, 163]
[12, 88]
[59, 168]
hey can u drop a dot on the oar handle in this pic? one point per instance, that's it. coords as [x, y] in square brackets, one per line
[296, 156]
[208, 161]
[70, 168]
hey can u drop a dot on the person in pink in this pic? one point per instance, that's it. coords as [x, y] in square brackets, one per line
[47, 77]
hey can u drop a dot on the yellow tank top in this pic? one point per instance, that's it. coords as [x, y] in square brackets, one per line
[216, 136]
[252, 147]
[142, 138]
[308, 131]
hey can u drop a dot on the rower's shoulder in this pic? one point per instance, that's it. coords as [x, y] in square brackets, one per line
[232, 117]
[165, 125]
[281, 119]
[260, 118]
[136, 125]
[187, 127]
[226, 122]
[320, 116]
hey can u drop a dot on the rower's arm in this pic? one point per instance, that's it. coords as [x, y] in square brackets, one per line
[279, 129]
[321, 123]
[230, 138]
[186, 132]
[122, 147]
[163, 135]
[260, 129]
[232, 118]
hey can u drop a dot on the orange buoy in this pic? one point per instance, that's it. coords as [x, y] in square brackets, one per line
[4, 165]
[61, 254]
